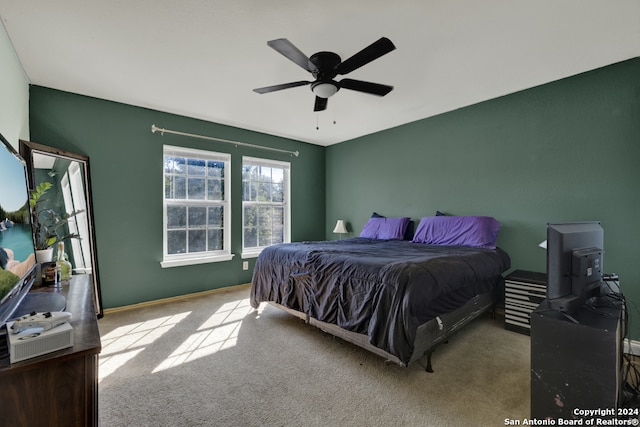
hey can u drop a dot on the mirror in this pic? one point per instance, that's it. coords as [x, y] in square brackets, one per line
[69, 175]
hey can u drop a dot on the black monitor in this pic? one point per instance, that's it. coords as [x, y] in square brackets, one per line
[574, 264]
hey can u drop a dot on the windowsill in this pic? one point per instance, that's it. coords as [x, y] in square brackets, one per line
[195, 260]
[253, 254]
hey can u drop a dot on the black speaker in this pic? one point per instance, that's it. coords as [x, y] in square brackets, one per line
[576, 360]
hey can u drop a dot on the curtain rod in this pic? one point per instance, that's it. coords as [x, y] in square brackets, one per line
[162, 131]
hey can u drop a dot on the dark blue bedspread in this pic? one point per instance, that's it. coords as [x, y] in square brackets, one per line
[382, 288]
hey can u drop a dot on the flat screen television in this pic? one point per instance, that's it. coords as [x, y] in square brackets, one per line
[574, 264]
[17, 250]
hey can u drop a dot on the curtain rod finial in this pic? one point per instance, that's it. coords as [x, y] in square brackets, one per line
[155, 128]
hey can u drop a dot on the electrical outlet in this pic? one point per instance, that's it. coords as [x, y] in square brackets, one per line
[245, 265]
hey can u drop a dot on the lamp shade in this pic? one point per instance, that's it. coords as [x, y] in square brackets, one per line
[340, 227]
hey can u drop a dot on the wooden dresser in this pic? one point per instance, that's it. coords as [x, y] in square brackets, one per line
[59, 388]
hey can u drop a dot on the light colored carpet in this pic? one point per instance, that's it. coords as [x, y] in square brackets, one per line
[214, 361]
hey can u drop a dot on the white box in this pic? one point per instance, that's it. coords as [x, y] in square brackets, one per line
[34, 342]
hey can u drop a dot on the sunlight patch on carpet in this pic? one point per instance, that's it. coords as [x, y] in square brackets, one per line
[124, 343]
[218, 332]
[110, 364]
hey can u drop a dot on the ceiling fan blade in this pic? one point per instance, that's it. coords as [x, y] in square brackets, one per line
[321, 104]
[286, 48]
[274, 88]
[374, 51]
[367, 87]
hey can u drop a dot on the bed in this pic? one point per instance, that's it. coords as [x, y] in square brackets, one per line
[395, 297]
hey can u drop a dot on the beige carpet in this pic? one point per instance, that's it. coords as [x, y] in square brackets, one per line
[214, 361]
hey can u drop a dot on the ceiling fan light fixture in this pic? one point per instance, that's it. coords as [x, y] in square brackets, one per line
[324, 89]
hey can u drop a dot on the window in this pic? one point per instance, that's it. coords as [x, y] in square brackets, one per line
[265, 204]
[196, 220]
[74, 201]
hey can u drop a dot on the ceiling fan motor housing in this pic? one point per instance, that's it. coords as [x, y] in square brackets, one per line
[326, 63]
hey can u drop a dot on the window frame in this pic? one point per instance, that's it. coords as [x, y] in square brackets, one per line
[176, 260]
[286, 203]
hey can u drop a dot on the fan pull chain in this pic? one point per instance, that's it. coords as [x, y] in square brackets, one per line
[318, 121]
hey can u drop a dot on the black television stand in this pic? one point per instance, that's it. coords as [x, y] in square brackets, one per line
[569, 304]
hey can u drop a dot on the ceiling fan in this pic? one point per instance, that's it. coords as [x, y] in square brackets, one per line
[325, 66]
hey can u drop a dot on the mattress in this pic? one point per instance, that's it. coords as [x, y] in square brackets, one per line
[384, 289]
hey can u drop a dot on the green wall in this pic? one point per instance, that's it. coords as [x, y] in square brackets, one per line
[126, 178]
[564, 151]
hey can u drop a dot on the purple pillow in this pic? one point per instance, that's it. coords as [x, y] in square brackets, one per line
[476, 231]
[385, 228]
[408, 233]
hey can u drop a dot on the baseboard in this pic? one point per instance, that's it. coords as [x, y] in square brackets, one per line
[632, 347]
[178, 298]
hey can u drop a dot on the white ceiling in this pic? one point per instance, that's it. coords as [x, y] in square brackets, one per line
[203, 58]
